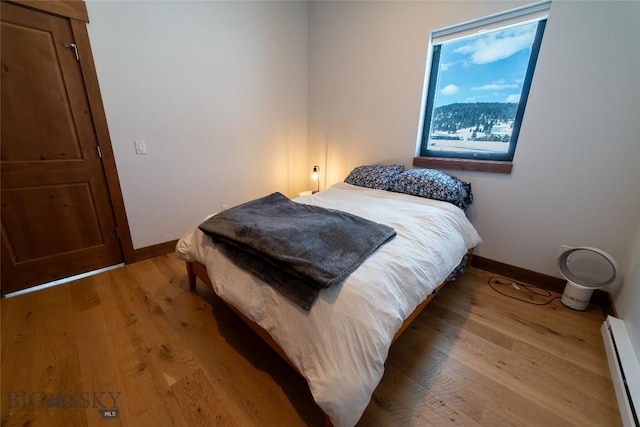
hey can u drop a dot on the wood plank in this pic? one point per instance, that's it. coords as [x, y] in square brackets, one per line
[513, 369]
[406, 402]
[98, 364]
[244, 357]
[463, 164]
[39, 360]
[549, 328]
[183, 358]
[558, 367]
[201, 403]
[273, 404]
[556, 284]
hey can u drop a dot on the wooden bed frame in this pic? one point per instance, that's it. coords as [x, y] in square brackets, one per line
[197, 270]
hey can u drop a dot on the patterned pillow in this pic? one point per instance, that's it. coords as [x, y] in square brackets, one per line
[434, 184]
[374, 176]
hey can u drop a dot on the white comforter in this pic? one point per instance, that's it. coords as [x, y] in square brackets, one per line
[341, 344]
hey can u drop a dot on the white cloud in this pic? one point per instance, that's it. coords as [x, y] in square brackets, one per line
[498, 45]
[513, 98]
[495, 86]
[450, 90]
[444, 66]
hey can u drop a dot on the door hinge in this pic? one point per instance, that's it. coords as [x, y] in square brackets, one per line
[99, 151]
[75, 49]
[118, 233]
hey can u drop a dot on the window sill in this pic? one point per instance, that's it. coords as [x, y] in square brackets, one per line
[463, 164]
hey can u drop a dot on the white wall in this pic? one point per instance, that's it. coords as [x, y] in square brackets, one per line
[366, 72]
[576, 176]
[218, 90]
[222, 91]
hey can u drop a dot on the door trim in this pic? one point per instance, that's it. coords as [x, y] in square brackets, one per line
[90, 77]
[72, 9]
[76, 12]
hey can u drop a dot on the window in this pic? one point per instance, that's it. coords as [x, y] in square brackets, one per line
[478, 83]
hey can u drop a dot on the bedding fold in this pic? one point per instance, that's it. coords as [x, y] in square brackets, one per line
[296, 248]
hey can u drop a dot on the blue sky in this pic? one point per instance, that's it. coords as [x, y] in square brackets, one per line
[489, 67]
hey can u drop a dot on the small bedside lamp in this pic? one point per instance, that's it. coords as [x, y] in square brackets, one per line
[314, 176]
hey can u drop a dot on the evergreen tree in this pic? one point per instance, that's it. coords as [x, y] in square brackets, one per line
[479, 116]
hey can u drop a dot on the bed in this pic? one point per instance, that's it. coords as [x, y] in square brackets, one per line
[341, 343]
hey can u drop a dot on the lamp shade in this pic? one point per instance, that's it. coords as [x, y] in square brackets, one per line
[314, 176]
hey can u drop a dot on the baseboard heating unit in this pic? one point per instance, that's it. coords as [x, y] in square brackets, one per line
[625, 369]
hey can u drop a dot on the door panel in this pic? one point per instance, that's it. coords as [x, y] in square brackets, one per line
[57, 218]
[48, 212]
[43, 101]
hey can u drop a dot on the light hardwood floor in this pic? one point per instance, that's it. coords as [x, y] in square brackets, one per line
[136, 339]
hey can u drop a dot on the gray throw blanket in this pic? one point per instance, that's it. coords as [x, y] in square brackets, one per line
[296, 248]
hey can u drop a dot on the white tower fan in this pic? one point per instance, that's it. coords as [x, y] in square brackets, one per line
[586, 269]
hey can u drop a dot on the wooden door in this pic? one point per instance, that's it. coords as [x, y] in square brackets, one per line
[57, 218]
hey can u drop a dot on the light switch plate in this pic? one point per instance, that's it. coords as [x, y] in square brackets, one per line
[141, 146]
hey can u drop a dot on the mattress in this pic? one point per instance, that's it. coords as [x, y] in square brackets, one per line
[341, 344]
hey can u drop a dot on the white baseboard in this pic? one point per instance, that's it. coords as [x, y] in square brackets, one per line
[625, 369]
